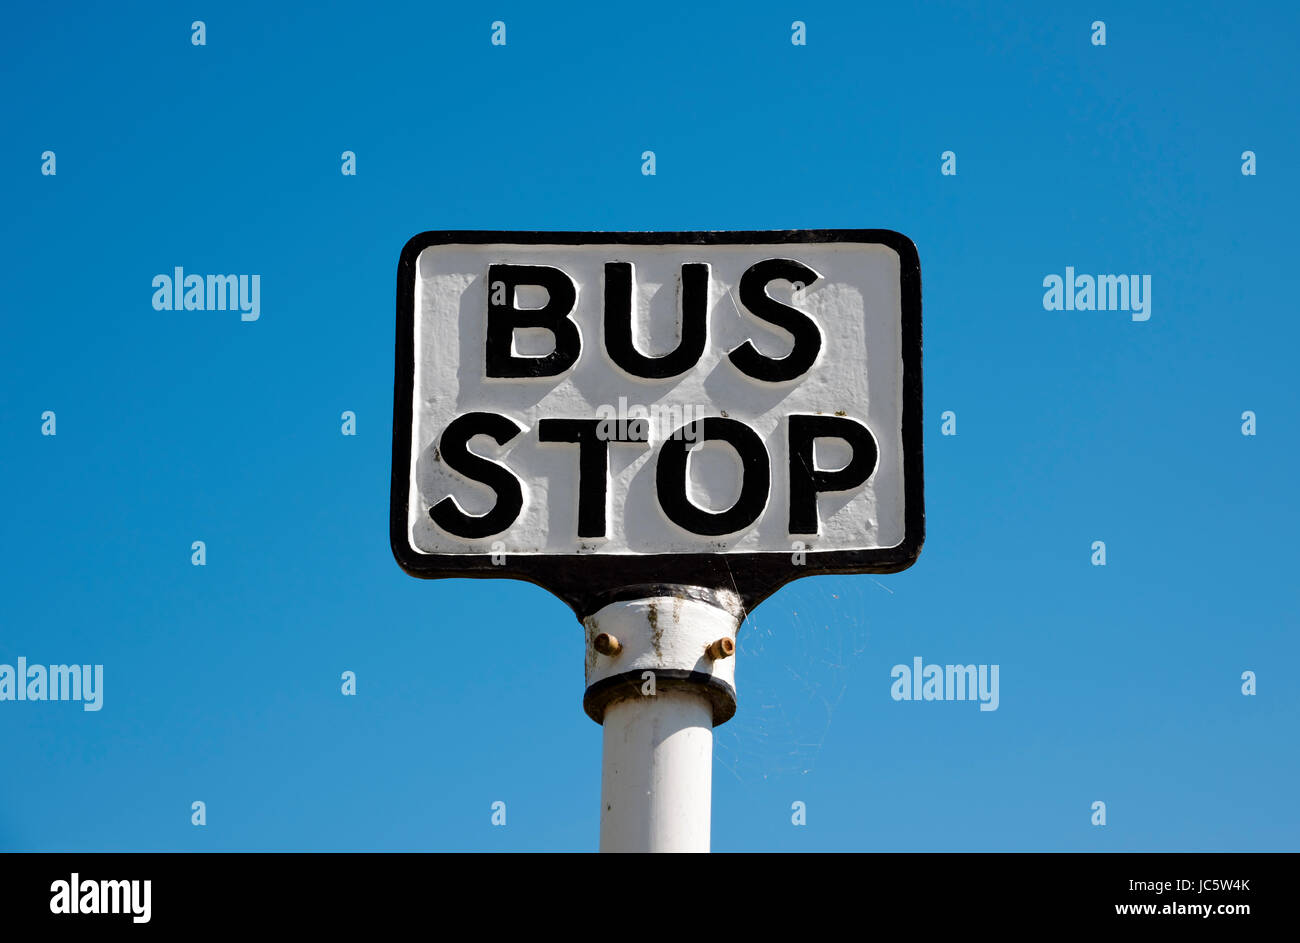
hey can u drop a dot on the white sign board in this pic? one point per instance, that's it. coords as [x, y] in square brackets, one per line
[593, 411]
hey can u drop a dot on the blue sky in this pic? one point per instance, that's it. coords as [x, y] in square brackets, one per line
[1118, 683]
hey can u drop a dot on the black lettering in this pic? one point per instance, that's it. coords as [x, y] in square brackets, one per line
[806, 481]
[804, 330]
[453, 447]
[620, 290]
[756, 477]
[503, 319]
[592, 437]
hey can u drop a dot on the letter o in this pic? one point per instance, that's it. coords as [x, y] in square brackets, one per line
[756, 477]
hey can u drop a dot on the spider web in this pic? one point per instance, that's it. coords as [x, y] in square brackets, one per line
[798, 655]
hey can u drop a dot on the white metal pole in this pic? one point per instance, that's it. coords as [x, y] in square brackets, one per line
[657, 774]
[660, 677]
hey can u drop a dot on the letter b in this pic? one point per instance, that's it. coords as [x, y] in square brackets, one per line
[504, 319]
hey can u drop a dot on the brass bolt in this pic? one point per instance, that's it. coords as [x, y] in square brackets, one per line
[722, 648]
[606, 644]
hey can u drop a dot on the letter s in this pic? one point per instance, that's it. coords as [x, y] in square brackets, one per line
[453, 447]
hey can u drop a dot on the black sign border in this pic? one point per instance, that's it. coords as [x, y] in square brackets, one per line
[588, 581]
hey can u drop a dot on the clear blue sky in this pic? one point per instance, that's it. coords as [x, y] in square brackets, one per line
[1119, 684]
